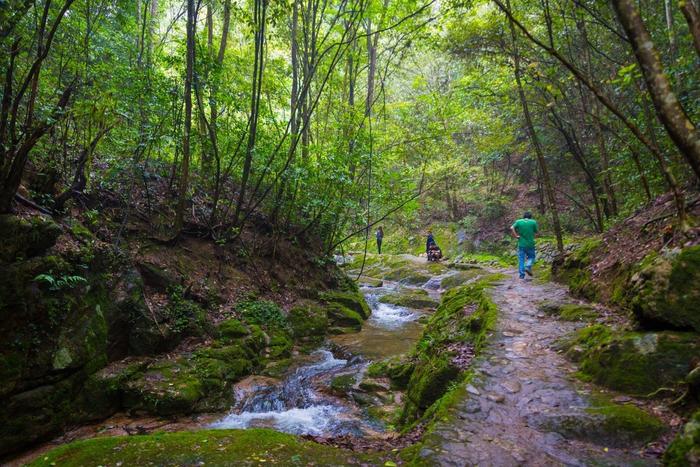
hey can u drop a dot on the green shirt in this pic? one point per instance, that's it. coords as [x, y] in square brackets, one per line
[526, 228]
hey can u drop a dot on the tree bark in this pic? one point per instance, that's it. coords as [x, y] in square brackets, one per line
[546, 180]
[189, 73]
[680, 128]
[691, 15]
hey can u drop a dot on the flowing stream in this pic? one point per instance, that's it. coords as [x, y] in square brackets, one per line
[302, 402]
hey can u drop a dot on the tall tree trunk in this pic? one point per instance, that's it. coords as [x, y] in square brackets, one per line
[691, 15]
[259, 14]
[680, 128]
[669, 26]
[546, 180]
[189, 73]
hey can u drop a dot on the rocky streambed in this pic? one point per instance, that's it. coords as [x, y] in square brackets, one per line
[488, 377]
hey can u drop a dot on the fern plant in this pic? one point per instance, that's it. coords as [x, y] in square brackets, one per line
[59, 283]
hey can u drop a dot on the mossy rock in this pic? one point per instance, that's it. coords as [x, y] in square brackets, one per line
[280, 343]
[637, 363]
[342, 384]
[164, 388]
[608, 425]
[583, 341]
[210, 447]
[309, 321]
[232, 329]
[428, 382]
[569, 311]
[26, 238]
[460, 278]
[685, 448]
[199, 383]
[343, 317]
[370, 282]
[410, 298]
[351, 300]
[407, 275]
[157, 277]
[664, 292]
[397, 369]
[574, 271]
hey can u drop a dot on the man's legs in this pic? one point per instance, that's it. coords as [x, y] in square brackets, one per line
[530, 253]
[379, 246]
[521, 262]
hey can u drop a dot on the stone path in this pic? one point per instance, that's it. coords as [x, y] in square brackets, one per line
[523, 393]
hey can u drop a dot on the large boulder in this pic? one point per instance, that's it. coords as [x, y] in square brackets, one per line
[634, 362]
[352, 300]
[664, 291]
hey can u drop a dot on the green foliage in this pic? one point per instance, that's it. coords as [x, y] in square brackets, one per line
[62, 282]
[183, 314]
[262, 312]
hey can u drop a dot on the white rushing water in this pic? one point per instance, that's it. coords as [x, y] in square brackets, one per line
[391, 316]
[294, 406]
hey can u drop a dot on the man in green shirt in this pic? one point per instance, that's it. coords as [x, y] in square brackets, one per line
[525, 230]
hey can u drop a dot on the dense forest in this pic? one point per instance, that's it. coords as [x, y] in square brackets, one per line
[190, 194]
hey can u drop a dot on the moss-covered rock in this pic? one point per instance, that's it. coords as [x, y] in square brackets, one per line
[685, 449]
[26, 238]
[461, 278]
[608, 424]
[407, 275]
[342, 317]
[569, 311]
[664, 292]
[634, 362]
[309, 322]
[351, 300]
[342, 384]
[410, 298]
[210, 447]
[232, 329]
[398, 369]
[574, 272]
[458, 327]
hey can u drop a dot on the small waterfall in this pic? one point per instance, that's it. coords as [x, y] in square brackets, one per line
[295, 405]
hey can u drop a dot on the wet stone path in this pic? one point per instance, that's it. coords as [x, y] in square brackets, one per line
[521, 396]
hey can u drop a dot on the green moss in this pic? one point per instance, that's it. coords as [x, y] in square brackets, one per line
[24, 238]
[569, 311]
[232, 329]
[410, 298]
[607, 424]
[574, 272]
[462, 320]
[638, 363]
[685, 448]
[664, 292]
[210, 447]
[407, 275]
[309, 322]
[343, 317]
[628, 423]
[342, 384]
[280, 344]
[460, 278]
[583, 341]
[353, 301]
